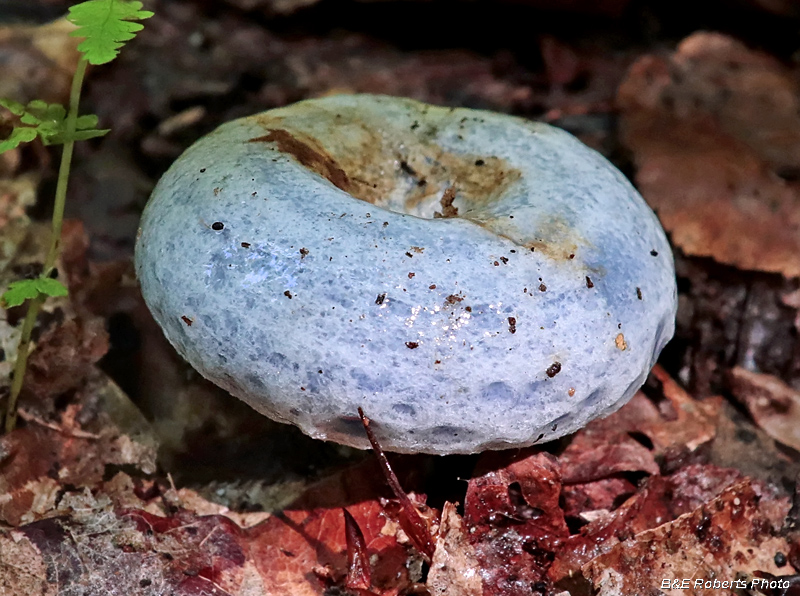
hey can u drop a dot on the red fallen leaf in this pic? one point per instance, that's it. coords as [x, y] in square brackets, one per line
[600, 451]
[514, 520]
[310, 534]
[727, 536]
[152, 523]
[304, 549]
[612, 445]
[113, 540]
[585, 501]
[659, 500]
[606, 447]
[213, 548]
[358, 573]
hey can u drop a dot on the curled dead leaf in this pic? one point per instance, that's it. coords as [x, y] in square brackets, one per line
[773, 404]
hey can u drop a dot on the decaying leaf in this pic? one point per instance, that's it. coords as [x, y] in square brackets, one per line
[514, 520]
[660, 499]
[134, 537]
[772, 403]
[41, 459]
[713, 128]
[22, 568]
[730, 537]
[455, 568]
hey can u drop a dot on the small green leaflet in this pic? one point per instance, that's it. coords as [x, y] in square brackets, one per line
[17, 136]
[25, 289]
[49, 122]
[106, 25]
[12, 106]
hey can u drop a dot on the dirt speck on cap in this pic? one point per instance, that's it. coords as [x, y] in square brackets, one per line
[621, 343]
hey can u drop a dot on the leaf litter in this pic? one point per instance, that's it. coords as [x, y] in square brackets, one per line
[677, 484]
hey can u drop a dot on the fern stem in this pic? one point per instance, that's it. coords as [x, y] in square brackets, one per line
[21, 363]
[64, 168]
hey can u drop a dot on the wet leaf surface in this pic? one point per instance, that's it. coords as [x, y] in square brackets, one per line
[514, 520]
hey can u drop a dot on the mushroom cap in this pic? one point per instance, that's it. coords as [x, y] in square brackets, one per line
[471, 280]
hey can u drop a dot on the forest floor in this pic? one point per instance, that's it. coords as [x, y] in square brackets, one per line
[129, 474]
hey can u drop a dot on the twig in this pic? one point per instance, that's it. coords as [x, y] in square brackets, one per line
[78, 434]
[411, 521]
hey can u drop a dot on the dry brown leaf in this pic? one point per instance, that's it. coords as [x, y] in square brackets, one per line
[733, 534]
[660, 499]
[38, 61]
[772, 403]
[454, 569]
[712, 129]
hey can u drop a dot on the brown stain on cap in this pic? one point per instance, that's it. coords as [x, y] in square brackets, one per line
[554, 238]
[376, 159]
[375, 154]
[313, 158]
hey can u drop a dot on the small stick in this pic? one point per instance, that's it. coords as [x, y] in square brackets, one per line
[412, 522]
[76, 433]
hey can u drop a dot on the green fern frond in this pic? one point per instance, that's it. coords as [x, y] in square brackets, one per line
[106, 25]
[27, 289]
